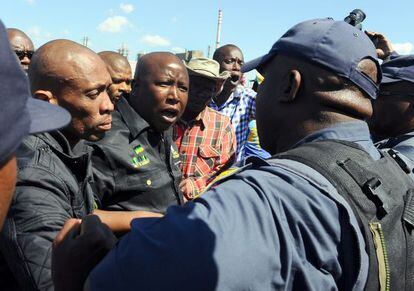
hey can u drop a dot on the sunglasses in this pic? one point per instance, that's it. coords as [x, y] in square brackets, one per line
[21, 54]
[396, 93]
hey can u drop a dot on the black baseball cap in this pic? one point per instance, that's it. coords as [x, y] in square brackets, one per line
[334, 45]
[398, 68]
[20, 113]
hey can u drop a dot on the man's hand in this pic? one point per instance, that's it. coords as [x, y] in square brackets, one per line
[77, 249]
[382, 44]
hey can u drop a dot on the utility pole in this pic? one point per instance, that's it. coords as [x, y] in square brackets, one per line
[85, 41]
[123, 50]
[220, 20]
[208, 51]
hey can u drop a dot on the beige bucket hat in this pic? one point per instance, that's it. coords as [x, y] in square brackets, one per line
[207, 68]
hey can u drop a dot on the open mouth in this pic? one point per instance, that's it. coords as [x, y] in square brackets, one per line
[169, 115]
[235, 78]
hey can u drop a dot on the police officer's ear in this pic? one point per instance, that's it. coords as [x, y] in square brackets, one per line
[290, 86]
[45, 96]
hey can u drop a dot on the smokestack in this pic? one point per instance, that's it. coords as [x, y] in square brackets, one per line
[220, 20]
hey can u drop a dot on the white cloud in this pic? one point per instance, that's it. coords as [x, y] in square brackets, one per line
[174, 19]
[31, 2]
[65, 32]
[403, 48]
[177, 49]
[113, 24]
[127, 8]
[155, 40]
[34, 31]
[37, 33]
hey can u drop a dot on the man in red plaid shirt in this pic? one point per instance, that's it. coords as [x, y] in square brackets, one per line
[204, 137]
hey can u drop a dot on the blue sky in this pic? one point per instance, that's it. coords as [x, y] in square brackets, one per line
[150, 25]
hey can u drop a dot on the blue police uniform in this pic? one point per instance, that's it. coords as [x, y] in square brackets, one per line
[272, 225]
[403, 144]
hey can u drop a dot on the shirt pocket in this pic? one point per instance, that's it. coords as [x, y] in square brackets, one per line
[208, 156]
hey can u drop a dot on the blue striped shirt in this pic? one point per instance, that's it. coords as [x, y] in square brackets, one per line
[241, 109]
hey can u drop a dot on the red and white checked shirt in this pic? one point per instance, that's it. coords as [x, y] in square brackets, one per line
[206, 145]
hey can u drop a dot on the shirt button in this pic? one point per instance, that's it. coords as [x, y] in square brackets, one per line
[149, 182]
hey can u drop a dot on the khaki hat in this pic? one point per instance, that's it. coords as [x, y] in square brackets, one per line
[207, 68]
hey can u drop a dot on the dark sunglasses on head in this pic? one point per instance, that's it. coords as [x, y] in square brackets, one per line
[21, 54]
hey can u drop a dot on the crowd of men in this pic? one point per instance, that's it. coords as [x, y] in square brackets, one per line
[165, 181]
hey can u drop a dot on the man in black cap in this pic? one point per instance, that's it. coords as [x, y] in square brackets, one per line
[280, 224]
[20, 116]
[54, 181]
[393, 120]
[121, 75]
[22, 45]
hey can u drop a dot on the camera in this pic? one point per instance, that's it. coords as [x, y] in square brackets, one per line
[355, 18]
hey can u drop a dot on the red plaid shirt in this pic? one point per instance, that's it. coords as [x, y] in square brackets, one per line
[206, 145]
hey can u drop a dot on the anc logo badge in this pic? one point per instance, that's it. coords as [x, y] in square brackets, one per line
[140, 159]
[174, 153]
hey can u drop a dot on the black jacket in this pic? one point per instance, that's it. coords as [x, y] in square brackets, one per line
[135, 167]
[53, 185]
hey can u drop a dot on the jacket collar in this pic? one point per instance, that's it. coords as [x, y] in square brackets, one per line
[58, 142]
[135, 123]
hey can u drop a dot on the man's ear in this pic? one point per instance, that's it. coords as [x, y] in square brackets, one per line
[45, 96]
[291, 85]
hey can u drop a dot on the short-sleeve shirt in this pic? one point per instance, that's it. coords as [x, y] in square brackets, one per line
[136, 167]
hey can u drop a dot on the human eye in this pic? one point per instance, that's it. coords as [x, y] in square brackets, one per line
[94, 93]
[163, 83]
[183, 88]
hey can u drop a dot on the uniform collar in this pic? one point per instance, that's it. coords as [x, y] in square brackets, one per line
[354, 131]
[135, 123]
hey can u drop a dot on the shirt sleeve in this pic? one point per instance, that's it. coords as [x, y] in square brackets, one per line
[39, 209]
[103, 174]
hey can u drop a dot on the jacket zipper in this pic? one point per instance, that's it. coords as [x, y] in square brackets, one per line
[382, 255]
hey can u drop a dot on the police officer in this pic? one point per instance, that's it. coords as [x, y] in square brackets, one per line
[136, 165]
[393, 119]
[270, 226]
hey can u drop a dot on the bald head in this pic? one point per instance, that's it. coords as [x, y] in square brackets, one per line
[150, 62]
[160, 90]
[120, 71]
[72, 76]
[59, 62]
[22, 45]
